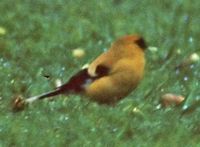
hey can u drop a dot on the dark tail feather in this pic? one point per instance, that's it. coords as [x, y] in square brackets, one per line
[73, 85]
[50, 94]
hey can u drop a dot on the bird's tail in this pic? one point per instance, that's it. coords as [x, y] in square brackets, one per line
[74, 85]
[44, 95]
[49, 94]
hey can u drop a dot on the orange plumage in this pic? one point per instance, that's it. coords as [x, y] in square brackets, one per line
[125, 61]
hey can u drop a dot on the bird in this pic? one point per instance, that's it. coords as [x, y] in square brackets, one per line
[109, 78]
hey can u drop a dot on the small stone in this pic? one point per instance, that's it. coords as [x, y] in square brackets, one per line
[170, 99]
[178, 51]
[78, 53]
[58, 82]
[153, 49]
[2, 31]
[194, 57]
[18, 104]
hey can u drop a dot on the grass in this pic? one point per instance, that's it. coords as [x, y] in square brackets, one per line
[39, 39]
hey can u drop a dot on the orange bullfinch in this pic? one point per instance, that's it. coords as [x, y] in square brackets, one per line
[110, 77]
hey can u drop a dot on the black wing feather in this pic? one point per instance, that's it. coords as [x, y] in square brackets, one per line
[76, 83]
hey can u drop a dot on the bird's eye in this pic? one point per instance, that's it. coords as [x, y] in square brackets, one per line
[141, 43]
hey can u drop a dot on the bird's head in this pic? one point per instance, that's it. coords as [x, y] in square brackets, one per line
[132, 40]
[128, 46]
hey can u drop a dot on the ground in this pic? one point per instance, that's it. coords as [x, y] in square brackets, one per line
[37, 39]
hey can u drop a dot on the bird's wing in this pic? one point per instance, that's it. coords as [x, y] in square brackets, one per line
[81, 79]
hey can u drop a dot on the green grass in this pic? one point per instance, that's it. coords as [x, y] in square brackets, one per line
[39, 39]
